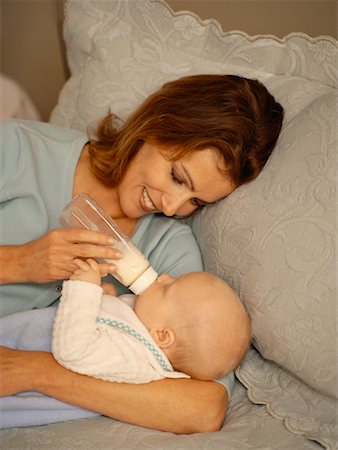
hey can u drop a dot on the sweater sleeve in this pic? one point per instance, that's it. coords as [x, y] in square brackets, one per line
[75, 328]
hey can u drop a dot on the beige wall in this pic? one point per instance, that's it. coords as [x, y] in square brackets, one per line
[32, 53]
[277, 17]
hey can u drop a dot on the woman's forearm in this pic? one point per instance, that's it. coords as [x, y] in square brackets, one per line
[13, 264]
[176, 405]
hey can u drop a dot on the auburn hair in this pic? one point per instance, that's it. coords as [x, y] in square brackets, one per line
[236, 116]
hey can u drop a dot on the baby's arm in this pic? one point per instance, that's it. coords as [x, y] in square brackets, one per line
[75, 327]
[85, 346]
[87, 271]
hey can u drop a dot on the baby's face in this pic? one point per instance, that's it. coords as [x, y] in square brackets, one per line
[157, 301]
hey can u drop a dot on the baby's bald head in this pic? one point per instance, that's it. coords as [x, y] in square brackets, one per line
[217, 326]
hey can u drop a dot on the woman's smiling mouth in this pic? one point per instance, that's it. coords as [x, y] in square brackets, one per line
[147, 201]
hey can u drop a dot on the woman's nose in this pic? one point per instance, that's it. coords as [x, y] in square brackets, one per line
[172, 204]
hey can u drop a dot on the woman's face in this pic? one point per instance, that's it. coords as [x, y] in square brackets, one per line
[153, 183]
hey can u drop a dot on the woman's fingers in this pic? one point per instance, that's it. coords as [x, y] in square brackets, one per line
[84, 243]
[85, 236]
[88, 244]
[95, 251]
[52, 256]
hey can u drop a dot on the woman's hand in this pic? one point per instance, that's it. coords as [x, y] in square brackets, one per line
[51, 257]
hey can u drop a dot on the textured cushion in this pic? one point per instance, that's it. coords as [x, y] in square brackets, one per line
[274, 239]
[120, 52]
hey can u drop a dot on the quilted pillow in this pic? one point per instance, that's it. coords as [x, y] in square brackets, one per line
[273, 239]
[121, 51]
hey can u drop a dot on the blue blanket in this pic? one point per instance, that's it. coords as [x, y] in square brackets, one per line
[32, 330]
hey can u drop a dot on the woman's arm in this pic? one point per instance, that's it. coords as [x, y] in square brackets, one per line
[51, 257]
[175, 405]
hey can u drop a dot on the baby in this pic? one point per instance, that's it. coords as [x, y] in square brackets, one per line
[193, 325]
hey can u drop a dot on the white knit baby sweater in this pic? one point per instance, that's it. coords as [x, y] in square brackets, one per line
[101, 336]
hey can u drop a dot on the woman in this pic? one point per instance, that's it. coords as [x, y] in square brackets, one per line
[189, 144]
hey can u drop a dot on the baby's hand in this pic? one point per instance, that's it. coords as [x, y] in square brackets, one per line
[87, 271]
[109, 289]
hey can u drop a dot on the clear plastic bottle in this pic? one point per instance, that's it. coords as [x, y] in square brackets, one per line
[133, 269]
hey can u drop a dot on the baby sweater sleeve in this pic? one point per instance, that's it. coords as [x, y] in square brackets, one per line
[75, 327]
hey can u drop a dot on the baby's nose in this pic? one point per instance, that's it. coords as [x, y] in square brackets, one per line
[164, 278]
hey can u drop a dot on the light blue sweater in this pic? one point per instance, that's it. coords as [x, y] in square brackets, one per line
[37, 164]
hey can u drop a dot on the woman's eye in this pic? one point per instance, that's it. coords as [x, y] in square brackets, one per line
[199, 203]
[196, 202]
[175, 178]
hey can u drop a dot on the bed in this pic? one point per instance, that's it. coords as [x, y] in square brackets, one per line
[272, 240]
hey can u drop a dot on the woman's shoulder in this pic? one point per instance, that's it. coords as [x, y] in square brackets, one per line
[19, 127]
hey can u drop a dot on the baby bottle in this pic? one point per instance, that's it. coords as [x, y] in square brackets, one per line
[133, 269]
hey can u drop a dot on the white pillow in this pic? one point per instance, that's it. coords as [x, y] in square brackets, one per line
[273, 239]
[120, 52]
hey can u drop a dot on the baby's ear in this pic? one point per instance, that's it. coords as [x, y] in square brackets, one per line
[164, 338]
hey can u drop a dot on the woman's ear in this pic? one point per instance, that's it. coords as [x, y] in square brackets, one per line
[164, 338]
